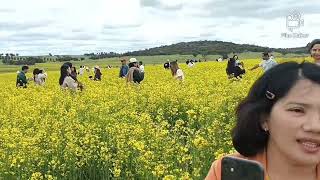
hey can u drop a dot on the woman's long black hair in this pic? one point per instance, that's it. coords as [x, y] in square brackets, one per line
[35, 72]
[63, 73]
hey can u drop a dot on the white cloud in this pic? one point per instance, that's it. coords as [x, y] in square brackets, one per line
[36, 27]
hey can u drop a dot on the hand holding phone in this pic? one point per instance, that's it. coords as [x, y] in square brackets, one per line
[240, 169]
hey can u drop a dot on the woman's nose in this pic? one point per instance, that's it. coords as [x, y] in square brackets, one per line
[312, 124]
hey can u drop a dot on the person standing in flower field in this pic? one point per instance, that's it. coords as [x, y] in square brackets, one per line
[278, 124]
[266, 63]
[191, 63]
[81, 70]
[176, 72]
[141, 67]
[66, 81]
[167, 64]
[314, 50]
[39, 76]
[134, 75]
[73, 73]
[22, 80]
[42, 76]
[123, 69]
[97, 73]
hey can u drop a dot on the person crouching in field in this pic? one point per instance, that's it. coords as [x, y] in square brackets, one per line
[134, 75]
[66, 81]
[278, 124]
[314, 50]
[176, 72]
[22, 80]
[234, 69]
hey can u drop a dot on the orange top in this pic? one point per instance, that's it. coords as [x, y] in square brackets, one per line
[215, 170]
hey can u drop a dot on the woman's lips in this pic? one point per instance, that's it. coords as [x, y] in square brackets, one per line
[309, 145]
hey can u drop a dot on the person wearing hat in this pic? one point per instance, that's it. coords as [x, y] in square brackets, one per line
[314, 50]
[97, 73]
[134, 75]
[266, 63]
[123, 69]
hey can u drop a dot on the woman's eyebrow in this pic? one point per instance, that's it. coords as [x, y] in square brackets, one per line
[298, 103]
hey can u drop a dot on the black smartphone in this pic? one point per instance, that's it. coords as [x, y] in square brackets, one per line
[241, 169]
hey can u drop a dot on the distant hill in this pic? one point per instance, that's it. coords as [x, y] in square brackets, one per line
[210, 47]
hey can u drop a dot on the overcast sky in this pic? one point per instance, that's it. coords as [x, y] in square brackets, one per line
[39, 27]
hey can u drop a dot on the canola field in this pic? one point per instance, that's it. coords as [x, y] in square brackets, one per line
[161, 129]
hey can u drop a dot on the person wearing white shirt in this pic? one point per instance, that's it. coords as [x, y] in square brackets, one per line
[191, 64]
[176, 72]
[40, 78]
[66, 81]
[81, 70]
[141, 66]
[266, 64]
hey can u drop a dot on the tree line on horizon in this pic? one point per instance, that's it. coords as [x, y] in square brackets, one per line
[15, 59]
[195, 48]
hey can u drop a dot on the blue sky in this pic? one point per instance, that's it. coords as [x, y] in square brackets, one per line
[39, 27]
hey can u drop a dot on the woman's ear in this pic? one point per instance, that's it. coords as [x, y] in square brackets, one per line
[264, 126]
[264, 122]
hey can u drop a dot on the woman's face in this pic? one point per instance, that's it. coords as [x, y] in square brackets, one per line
[265, 57]
[69, 70]
[315, 52]
[294, 124]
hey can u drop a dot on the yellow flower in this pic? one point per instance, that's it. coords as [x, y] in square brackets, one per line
[159, 129]
[36, 176]
[169, 177]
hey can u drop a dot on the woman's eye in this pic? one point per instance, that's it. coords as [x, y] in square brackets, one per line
[315, 50]
[297, 110]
